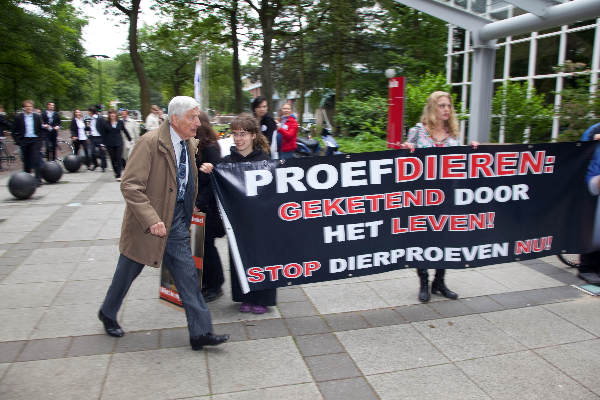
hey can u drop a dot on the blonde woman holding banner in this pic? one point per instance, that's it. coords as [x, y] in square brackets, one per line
[438, 128]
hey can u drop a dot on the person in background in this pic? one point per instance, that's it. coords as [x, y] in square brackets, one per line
[250, 145]
[51, 123]
[112, 139]
[155, 118]
[157, 219]
[288, 128]
[212, 269]
[29, 135]
[5, 124]
[79, 132]
[133, 128]
[438, 128]
[268, 126]
[97, 148]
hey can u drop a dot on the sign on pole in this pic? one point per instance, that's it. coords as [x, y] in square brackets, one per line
[395, 112]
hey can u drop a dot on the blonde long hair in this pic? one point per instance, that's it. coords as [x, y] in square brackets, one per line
[429, 116]
[248, 123]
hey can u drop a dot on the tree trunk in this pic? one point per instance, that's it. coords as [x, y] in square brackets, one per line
[136, 59]
[237, 75]
[267, 18]
[301, 86]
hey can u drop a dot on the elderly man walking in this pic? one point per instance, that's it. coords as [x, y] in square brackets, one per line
[160, 187]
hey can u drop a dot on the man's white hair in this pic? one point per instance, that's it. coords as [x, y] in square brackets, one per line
[179, 105]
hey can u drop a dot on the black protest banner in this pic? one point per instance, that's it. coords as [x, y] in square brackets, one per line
[324, 218]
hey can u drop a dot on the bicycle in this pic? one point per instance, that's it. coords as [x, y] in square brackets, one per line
[570, 260]
[61, 152]
[5, 155]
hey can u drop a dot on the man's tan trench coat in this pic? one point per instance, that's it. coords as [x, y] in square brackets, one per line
[149, 186]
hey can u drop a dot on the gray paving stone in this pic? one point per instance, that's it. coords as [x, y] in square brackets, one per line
[437, 382]
[91, 345]
[389, 348]
[417, 312]
[174, 337]
[450, 308]
[511, 300]
[536, 327]
[10, 350]
[522, 375]
[313, 345]
[470, 336]
[383, 317]
[45, 349]
[19, 325]
[296, 309]
[256, 364]
[136, 341]
[290, 294]
[307, 325]
[553, 294]
[184, 370]
[347, 389]
[567, 278]
[73, 378]
[346, 321]
[332, 366]
[266, 328]
[482, 304]
[303, 391]
[581, 312]
[581, 361]
[235, 330]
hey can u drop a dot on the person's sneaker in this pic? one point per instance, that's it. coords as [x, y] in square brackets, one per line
[256, 309]
[246, 307]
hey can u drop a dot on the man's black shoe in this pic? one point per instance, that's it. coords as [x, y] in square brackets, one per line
[211, 294]
[207, 340]
[110, 325]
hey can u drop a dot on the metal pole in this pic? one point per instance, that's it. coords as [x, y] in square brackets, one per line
[100, 81]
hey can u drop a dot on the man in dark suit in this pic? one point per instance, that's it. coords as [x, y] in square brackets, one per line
[28, 133]
[97, 148]
[51, 123]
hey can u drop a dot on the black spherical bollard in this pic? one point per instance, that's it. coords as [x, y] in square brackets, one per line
[22, 185]
[72, 163]
[51, 171]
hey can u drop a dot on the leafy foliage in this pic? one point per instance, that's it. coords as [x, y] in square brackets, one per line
[521, 112]
[356, 116]
[578, 110]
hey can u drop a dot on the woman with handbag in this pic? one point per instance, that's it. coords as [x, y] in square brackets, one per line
[209, 152]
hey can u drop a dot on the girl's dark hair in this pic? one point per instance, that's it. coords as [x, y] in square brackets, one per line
[246, 122]
[205, 132]
[257, 102]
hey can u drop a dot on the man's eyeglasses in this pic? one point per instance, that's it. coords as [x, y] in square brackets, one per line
[240, 134]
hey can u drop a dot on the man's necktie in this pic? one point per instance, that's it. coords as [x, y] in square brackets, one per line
[181, 173]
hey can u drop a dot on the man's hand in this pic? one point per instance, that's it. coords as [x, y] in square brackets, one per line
[206, 167]
[158, 229]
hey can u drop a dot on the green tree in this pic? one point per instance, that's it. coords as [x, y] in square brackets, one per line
[520, 112]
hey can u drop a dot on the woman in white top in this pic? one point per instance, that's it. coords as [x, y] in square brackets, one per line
[79, 135]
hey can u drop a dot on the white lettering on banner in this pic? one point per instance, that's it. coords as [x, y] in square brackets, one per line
[403, 169]
[485, 194]
[351, 231]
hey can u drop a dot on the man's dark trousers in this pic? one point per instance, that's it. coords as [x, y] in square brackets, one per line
[32, 156]
[178, 259]
[97, 151]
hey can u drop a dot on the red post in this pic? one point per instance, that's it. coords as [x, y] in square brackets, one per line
[395, 112]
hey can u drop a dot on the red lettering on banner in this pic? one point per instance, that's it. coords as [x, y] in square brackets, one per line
[289, 211]
[506, 163]
[311, 266]
[532, 164]
[452, 162]
[458, 223]
[393, 200]
[431, 171]
[414, 198]
[477, 221]
[374, 201]
[274, 270]
[408, 169]
[435, 197]
[437, 225]
[287, 270]
[331, 206]
[416, 223]
[533, 245]
[311, 209]
[355, 205]
[256, 275]
[396, 226]
[481, 163]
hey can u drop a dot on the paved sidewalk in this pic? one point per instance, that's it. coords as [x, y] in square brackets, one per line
[519, 331]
